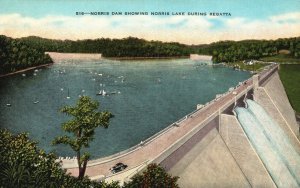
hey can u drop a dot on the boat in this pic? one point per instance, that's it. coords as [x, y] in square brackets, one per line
[68, 97]
[23, 75]
[100, 93]
[35, 102]
[8, 104]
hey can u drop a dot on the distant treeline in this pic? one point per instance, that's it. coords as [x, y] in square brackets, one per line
[223, 51]
[16, 55]
[230, 51]
[127, 47]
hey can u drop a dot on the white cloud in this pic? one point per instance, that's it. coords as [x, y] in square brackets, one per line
[184, 29]
[286, 17]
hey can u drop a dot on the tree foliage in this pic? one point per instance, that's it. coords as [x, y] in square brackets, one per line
[16, 55]
[231, 51]
[153, 177]
[127, 47]
[82, 126]
[23, 164]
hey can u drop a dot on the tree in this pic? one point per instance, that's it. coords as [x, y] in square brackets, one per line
[23, 164]
[153, 176]
[85, 120]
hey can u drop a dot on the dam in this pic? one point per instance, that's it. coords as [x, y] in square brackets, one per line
[217, 144]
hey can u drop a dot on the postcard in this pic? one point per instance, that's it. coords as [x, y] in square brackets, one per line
[128, 93]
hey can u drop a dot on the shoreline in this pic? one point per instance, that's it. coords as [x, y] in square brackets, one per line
[144, 58]
[109, 58]
[24, 70]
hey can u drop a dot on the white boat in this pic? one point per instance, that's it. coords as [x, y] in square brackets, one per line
[35, 102]
[8, 104]
[68, 97]
[100, 93]
[23, 75]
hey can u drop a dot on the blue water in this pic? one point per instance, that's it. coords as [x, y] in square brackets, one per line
[151, 94]
[271, 144]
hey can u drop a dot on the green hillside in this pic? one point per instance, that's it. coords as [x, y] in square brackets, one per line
[290, 77]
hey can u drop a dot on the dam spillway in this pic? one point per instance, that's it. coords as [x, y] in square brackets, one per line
[278, 138]
[271, 145]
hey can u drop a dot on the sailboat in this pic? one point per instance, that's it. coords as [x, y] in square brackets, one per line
[68, 97]
[103, 92]
[100, 93]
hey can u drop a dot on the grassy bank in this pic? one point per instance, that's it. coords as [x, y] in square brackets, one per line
[281, 58]
[243, 66]
[290, 77]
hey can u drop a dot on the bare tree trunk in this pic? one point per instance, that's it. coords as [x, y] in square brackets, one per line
[82, 169]
[80, 173]
[79, 164]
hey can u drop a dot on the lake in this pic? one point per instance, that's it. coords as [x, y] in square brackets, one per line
[144, 95]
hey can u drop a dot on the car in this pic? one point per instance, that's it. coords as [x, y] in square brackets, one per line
[118, 167]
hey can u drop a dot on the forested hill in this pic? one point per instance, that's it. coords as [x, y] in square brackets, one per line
[127, 47]
[16, 55]
[223, 51]
[230, 51]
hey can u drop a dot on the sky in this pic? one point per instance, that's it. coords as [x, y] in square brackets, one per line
[248, 19]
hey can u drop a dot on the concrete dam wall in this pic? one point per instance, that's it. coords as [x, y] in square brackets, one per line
[230, 156]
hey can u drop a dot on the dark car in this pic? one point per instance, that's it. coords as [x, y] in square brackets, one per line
[118, 167]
